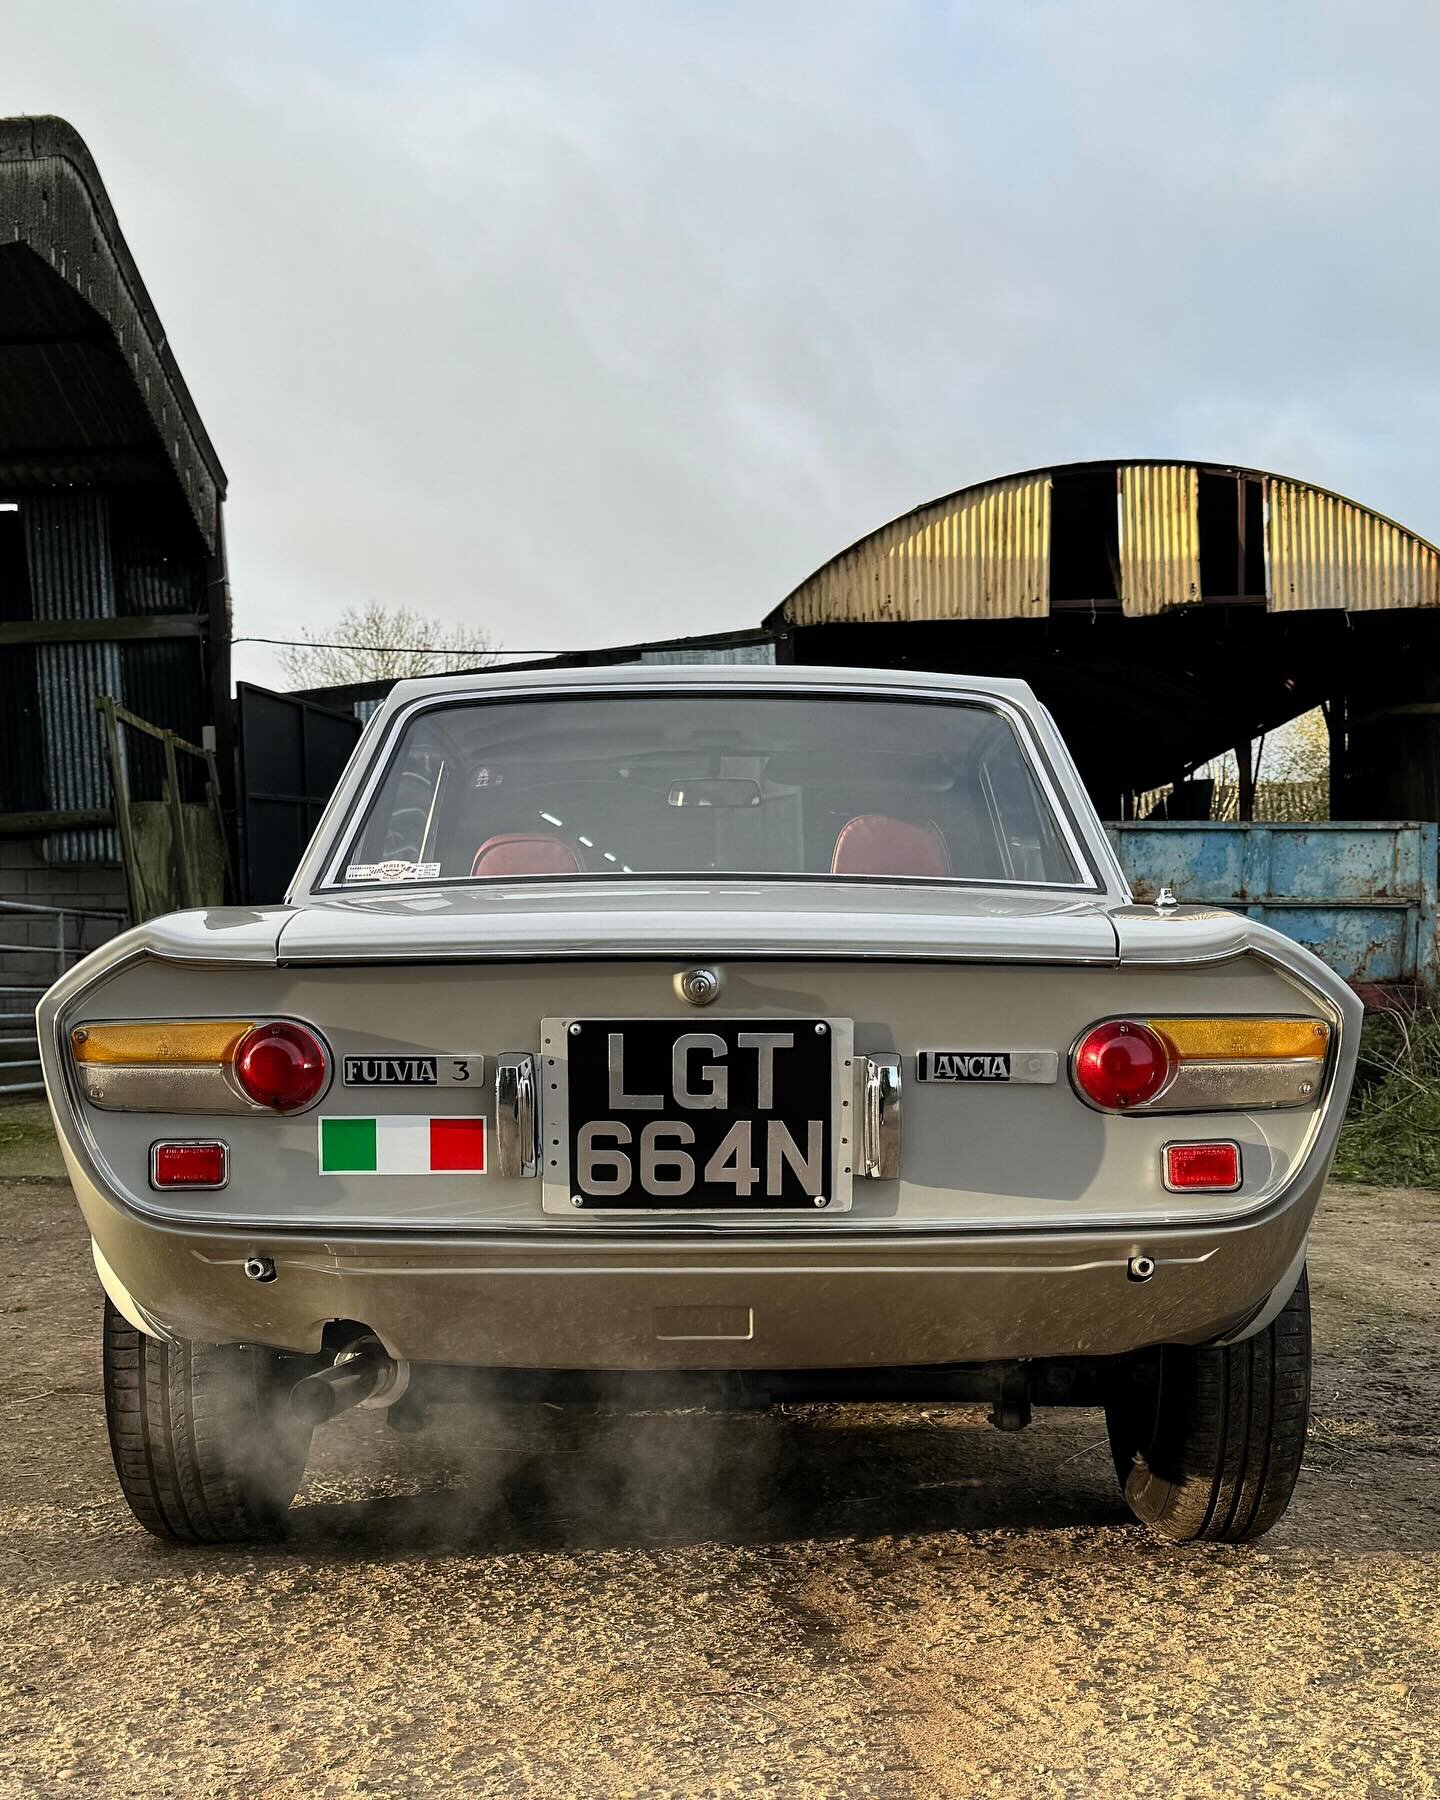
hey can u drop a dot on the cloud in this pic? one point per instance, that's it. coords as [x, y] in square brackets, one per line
[600, 323]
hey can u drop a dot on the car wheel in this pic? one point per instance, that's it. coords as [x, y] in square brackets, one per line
[205, 1446]
[1208, 1443]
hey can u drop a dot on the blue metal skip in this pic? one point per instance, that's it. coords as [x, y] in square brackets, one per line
[1361, 895]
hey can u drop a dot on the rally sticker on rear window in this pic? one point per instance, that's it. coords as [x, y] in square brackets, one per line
[393, 870]
[402, 1144]
[1036, 1067]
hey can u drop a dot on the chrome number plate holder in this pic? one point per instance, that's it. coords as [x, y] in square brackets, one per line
[655, 1127]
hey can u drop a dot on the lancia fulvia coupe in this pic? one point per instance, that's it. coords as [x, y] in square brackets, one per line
[758, 1033]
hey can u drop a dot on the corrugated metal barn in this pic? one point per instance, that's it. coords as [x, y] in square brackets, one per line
[1166, 612]
[112, 562]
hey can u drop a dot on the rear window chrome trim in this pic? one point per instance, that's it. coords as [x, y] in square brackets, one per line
[343, 844]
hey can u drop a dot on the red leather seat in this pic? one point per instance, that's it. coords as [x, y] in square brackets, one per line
[525, 853]
[876, 845]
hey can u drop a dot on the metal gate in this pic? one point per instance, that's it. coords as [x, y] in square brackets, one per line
[291, 753]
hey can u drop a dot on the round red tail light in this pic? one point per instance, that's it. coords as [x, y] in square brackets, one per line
[282, 1066]
[1121, 1064]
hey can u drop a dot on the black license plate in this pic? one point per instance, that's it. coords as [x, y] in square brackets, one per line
[728, 1116]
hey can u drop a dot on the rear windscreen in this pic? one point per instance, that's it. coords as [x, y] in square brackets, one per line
[709, 784]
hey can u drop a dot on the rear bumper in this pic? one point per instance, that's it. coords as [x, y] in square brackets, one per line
[817, 1301]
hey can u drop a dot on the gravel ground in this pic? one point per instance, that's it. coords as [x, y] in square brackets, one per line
[857, 1601]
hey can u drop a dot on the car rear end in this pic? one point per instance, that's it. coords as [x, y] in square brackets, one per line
[858, 1122]
[926, 1178]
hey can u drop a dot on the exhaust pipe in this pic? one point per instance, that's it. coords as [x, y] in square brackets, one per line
[362, 1370]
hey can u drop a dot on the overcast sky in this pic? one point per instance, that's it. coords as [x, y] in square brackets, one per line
[591, 323]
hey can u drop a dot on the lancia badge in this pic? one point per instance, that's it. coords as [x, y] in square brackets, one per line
[1018, 1067]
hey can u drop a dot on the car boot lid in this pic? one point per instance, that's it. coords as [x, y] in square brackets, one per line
[686, 917]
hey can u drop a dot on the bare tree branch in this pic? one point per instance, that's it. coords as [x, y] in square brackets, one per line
[383, 643]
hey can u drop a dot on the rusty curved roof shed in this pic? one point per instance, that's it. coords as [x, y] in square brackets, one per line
[84, 360]
[1140, 538]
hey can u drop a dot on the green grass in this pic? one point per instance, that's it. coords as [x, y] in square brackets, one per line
[1392, 1132]
[27, 1140]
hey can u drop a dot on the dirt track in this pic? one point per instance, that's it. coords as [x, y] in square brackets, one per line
[840, 1601]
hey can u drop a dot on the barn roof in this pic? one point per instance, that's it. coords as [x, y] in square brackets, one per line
[90, 385]
[1139, 538]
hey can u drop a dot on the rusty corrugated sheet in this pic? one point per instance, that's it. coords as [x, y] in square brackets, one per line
[675, 656]
[68, 550]
[1325, 551]
[980, 554]
[153, 572]
[1159, 537]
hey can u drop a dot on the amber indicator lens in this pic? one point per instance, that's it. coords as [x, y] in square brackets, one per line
[163, 1041]
[1212, 1168]
[189, 1165]
[1245, 1040]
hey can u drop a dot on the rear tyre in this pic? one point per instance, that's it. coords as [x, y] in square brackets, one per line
[204, 1442]
[1208, 1443]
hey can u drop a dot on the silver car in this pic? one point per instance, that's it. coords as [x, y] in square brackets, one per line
[742, 1034]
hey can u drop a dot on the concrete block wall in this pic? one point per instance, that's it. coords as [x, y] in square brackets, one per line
[25, 876]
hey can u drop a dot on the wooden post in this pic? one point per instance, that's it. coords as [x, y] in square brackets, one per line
[222, 703]
[212, 787]
[180, 843]
[1245, 762]
[134, 880]
[1335, 726]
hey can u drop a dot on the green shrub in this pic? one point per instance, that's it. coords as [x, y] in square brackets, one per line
[1391, 1134]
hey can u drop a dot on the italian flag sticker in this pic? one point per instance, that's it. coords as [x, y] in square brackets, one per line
[402, 1144]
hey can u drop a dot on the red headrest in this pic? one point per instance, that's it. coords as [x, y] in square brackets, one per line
[525, 853]
[876, 845]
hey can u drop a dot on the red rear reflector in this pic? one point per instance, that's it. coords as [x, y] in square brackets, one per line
[1214, 1168]
[188, 1165]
